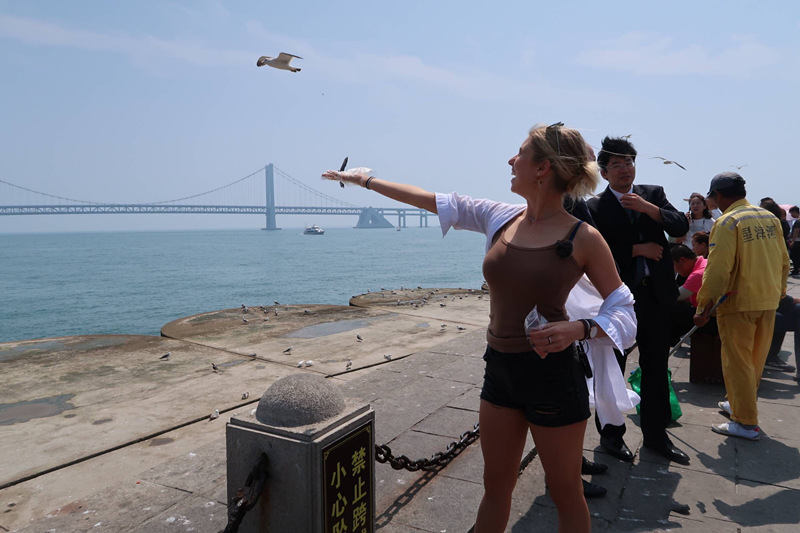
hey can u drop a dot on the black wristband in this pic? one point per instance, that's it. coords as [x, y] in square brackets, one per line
[587, 327]
[366, 185]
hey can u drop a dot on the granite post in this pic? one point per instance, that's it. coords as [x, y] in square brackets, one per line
[321, 459]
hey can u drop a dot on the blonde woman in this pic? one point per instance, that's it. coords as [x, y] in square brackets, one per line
[535, 254]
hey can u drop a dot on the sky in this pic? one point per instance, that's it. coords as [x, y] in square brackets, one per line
[133, 102]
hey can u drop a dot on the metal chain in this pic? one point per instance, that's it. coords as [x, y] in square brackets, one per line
[247, 496]
[383, 454]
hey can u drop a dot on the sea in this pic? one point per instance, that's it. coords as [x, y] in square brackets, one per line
[62, 284]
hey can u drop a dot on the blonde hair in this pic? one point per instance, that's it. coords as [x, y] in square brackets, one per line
[574, 172]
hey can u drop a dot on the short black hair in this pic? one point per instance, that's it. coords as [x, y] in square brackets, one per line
[681, 251]
[615, 146]
[701, 237]
[733, 192]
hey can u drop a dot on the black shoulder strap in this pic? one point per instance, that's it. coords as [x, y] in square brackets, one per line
[575, 230]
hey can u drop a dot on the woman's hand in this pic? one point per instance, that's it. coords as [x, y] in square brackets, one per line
[555, 336]
[354, 176]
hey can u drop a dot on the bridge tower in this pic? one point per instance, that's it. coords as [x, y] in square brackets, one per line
[270, 205]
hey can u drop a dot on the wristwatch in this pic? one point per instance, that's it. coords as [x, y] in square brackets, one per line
[594, 329]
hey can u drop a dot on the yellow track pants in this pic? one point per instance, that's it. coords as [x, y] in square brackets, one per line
[745, 337]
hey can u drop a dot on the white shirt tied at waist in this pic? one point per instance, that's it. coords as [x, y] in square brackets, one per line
[608, 391]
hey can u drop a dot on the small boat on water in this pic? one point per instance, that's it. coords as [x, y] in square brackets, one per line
[314, 230]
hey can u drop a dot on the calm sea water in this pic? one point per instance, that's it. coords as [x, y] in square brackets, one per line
[133, 283]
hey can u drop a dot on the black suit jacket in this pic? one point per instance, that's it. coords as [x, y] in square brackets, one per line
[621, 234]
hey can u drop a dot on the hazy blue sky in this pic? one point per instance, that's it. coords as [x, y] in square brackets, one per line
[152, 100]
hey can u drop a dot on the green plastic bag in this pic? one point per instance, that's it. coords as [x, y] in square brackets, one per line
[636, 384]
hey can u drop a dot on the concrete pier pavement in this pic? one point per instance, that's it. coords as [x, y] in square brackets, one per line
[101, 434]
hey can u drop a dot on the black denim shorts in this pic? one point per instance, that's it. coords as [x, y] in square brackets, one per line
[551, 391]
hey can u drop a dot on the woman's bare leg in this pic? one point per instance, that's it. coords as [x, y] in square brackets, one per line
[561, 450]
[503, 432]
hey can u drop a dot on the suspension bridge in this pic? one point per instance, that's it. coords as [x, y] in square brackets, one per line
[254, 194]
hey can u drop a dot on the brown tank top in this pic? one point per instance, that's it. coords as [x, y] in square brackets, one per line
[519, 278]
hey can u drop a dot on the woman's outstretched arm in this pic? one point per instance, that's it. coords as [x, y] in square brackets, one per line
[407, 194]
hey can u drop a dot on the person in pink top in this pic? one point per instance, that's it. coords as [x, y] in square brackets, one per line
[691, 266]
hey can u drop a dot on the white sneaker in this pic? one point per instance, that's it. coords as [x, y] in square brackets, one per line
[735, 429]
[725, 406]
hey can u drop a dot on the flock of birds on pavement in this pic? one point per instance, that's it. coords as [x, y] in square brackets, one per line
[308, 363]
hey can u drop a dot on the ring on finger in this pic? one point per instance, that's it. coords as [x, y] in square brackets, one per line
[549, 340]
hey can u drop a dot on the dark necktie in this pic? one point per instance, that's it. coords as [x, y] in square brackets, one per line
[639, 261]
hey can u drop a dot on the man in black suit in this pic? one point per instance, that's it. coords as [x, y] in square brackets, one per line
[633, 219]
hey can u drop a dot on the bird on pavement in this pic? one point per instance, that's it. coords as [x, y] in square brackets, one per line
[349, 364]
[165, 356]
[358, 337]
[245, 395]
[214, 415]
[215, 368]
[309, 363]
[300, 364]
[288, 350]
[281, 62]
[388, 357]
[668, 162]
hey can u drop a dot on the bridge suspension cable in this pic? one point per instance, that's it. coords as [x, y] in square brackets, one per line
[312, 190]
[50, 195]
[212, 190]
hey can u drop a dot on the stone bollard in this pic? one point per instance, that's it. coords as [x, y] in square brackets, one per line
[321, 459]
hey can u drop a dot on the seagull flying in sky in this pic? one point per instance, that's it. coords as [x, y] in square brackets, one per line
[280, 62]
[738, 167]
[668, 162]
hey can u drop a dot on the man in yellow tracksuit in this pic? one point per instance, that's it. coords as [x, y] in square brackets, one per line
[747, 257]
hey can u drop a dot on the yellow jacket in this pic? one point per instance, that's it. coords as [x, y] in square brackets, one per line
[747, 254]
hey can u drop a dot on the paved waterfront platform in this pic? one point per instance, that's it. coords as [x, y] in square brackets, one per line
[101, 434]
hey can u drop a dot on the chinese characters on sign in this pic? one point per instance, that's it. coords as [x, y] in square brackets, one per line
[347, 491]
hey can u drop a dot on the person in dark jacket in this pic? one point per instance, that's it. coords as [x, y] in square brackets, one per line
[632, 219]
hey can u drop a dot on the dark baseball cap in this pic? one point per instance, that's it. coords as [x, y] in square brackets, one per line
[725, 180]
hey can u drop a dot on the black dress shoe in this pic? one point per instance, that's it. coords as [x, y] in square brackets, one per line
[616, 447]
[668, 450]
[590, 490]
[590, 468]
